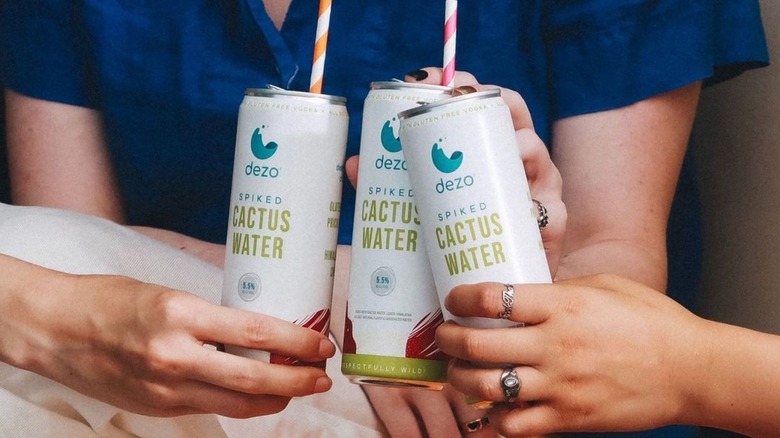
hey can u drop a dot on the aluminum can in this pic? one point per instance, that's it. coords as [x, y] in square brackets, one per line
[477, 217]
[284, 209]
[392, 309]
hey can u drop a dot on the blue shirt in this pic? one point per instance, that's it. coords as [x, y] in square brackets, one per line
[169, 75]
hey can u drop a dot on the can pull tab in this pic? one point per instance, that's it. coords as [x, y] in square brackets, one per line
[465, 89]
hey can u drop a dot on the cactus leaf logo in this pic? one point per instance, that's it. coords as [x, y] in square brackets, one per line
[444, 163]
[390, 142]
[262, 150]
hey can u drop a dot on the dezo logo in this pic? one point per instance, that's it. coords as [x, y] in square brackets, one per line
[261, 151]
[391, 144]
[445, 164]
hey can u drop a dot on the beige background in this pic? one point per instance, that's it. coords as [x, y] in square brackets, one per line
[737, 137]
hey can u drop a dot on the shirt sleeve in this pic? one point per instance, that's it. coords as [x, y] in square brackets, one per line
[42, 51]
[605, 54]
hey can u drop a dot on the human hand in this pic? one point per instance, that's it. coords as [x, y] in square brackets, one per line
[600, 353]
[417, 412]
[140, 347]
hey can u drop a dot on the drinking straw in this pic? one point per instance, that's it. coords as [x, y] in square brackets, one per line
[450, 37]
[320, 47]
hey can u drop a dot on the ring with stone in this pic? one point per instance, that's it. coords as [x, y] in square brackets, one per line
[510, 384]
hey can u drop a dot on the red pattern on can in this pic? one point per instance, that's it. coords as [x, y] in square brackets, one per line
[421, 343]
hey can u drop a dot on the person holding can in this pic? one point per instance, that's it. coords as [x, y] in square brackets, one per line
[85, 303]
[607, 353]
[139, 109]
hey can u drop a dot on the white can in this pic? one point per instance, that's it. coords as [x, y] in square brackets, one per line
[284, 208]
[393, 309]
[478, 220]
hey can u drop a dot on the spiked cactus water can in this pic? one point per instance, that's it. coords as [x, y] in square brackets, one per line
[392, 310]
[284, 208]
[477, 216]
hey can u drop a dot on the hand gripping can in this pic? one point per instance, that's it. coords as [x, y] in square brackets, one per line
[392, 309]
[478, 220]
[284, 209]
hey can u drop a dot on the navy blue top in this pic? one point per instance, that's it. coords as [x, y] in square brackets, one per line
[169, 75]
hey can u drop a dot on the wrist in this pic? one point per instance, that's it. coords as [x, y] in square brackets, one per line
[28, 303]
[697, 364]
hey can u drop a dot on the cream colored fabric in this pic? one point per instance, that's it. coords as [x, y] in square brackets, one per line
[32, 406]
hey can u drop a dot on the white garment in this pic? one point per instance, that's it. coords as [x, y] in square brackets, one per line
[32, 406]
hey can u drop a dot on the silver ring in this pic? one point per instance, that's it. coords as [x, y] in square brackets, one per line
[475, 425]
[508, 300]
[510, 384]
[542, 219]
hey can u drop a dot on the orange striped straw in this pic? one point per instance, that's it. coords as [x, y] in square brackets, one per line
[320, 47]
[450, 38]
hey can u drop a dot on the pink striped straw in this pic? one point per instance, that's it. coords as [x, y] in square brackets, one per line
[450, 38]
[320, 47]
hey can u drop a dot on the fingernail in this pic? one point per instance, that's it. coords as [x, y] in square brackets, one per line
[327, 349]
[323, 384]
[418, 75]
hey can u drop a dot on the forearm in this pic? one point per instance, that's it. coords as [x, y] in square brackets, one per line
[737, 384]
[57, 157]
[620, 170]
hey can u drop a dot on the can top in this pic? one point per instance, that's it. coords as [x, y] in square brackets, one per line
[274, 91]
[429, 107]
[397, 84]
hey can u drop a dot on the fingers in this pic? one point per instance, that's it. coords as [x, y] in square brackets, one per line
[521, 115]
[466, 414]
[508, 345]
[546, 186]
[433, 75]
[543, 177]
[436, 414]
[257, 377]
[351, 169]
[252, 330]
[529, 421]
[394, 410]
[518, 109]
[198, 397]
[533, 303]
[208, 322]
[553, 234]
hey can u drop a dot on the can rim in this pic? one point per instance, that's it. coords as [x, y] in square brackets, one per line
[272, 91]
[429, 107]
[397, 84]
